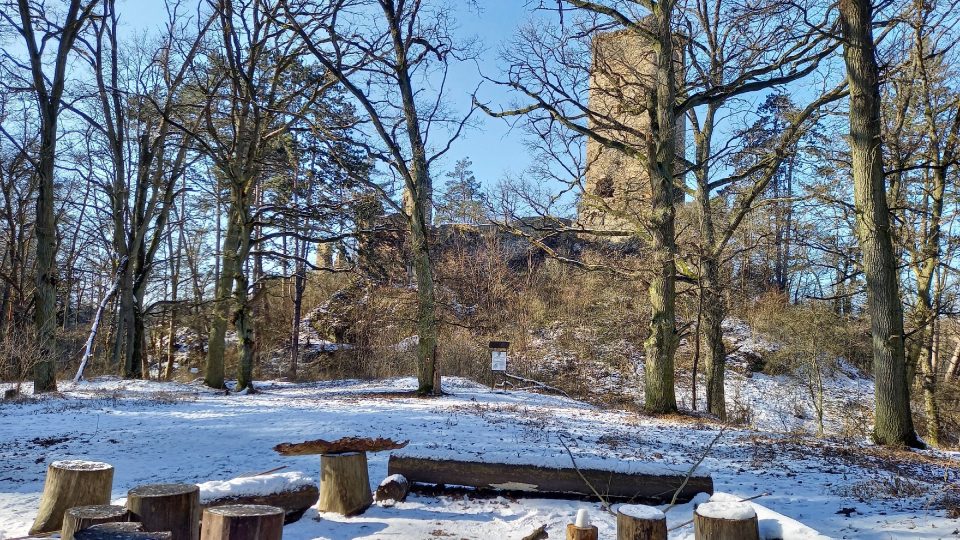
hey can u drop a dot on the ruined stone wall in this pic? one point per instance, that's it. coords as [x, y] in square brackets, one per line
[617, 184]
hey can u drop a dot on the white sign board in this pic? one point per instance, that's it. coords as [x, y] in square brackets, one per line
[499, 361]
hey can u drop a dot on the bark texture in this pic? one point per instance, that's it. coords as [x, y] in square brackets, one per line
[661, 345]
[892, 419]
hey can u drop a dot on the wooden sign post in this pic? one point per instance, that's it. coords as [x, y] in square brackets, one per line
[498, 359]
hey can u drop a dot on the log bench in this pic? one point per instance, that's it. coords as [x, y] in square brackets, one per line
[541, 480]
[294, 492]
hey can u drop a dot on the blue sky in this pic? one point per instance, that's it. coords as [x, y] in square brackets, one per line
[492, 146]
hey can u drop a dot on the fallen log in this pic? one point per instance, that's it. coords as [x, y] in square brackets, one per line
[538, 480]
[294, 492]
[339, 446]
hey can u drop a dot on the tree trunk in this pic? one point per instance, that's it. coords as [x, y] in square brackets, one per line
[45, 294]
[243, 315]
[893, 422]
[243, 324]
[70, 484]
[716, 354]
[661, 345]
[129, 367]
[167, 507]
[213, 372]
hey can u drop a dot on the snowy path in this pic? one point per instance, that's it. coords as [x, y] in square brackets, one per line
[154, 432]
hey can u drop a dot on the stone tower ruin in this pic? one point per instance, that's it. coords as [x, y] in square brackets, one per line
[617, 185]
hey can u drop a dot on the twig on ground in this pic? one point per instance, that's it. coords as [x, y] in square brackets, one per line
[537, 384]
[694, 468]
[273, 470]
[603, 502]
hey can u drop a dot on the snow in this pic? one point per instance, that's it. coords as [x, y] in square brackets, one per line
[248, 486]
[80, 465]
[734, 511]
[773, 525]
[640, 511]
[155, 432]
[398, 478]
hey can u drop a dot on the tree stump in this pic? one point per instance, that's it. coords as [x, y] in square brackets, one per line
[641, 522]
[71, 483]
[344, 483]
[725, 521]
[167, 507]
[82, 517]
[590, 532]
[242, 522]
[120, 531]
[392, 490]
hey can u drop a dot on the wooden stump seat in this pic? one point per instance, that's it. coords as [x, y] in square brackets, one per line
[242, 522]
[82, 517]
[640, 522]
[344, 483]
[725, 521]
[167, 507]
[71, 483]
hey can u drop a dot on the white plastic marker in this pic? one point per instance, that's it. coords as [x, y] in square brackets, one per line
[583, 519]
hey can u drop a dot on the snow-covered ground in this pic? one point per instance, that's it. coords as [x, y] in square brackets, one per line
[169, 432]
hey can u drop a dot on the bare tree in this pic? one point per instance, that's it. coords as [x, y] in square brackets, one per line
[635, 114]
[386, 53]
[38, 28]
[134, 99]
[252, 87]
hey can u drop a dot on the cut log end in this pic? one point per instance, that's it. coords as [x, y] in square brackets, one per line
[167, 507]
[82, 517]
[68, 484]
[242, 522]
[639, 522]
[725, 521]
[392, 489]
[344, 484]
